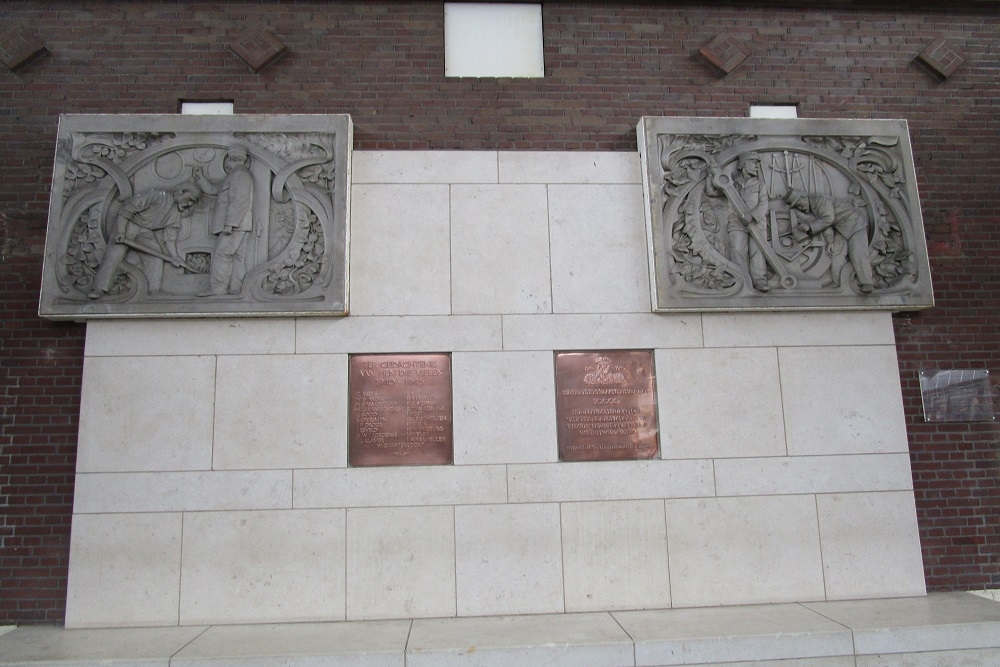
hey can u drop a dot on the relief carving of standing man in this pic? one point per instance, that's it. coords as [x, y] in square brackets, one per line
[148, 223]
[839, 214]
[745, 252]
[232, 222]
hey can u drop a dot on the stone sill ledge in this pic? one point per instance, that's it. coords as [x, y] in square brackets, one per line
[943, 628]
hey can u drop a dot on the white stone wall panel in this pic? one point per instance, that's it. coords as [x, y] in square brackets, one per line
[574, 167]
[504, 407]
[400, 486]
[744, 550]
[783, 472]
[598, 249]
[719, 403]
[870, 545]
[400, 562]
[595, 332]
[399, 247]
[610, 480]
[146, 414]
[101, 493]
[842, 400]
[500, 249]
[279, 412]
[508, 559]
[259, 567]
[124, 570]
[392, 334]
[615, 555]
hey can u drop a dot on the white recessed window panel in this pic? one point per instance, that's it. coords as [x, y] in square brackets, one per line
[774, 111]
[207, 108]
[493, 40]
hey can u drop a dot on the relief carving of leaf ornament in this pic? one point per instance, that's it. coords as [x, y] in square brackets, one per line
[176, 216]
[782, 214]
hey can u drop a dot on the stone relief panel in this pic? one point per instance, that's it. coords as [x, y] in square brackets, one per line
[169, 215]
[782, 214]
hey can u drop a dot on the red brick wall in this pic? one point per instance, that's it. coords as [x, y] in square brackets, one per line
[607, 64]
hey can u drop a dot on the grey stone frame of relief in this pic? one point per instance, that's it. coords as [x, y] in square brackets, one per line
[198, 216]
[755, 214]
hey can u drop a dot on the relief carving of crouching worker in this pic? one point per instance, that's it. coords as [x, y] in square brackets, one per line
[232, 222]
[844, 217]
[149, 223]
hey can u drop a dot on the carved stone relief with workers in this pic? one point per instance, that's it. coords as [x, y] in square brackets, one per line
[767, 221]
[197, 223]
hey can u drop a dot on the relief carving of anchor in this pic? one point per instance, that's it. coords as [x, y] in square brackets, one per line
[724, 182]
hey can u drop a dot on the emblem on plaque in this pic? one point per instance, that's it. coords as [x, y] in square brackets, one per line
[198, 215]
[782, 214]
[606, 405]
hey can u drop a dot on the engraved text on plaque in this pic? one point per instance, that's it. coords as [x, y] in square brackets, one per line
[400, 409]
[606, 405]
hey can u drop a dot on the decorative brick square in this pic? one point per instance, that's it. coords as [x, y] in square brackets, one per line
[725, 52]
[941, 57]
[19, 45]
[258, 48]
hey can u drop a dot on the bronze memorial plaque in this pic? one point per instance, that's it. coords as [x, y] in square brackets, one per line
[400, 409]
[606, 405]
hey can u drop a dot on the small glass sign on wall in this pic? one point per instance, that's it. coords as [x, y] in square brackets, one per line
[956, 395]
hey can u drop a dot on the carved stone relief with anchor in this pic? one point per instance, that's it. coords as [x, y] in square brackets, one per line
[198, 216]
[782, 214]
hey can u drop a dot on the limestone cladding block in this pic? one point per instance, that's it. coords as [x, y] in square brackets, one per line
[795, 329]
[414, 167]
[782, 475]
[400, 562]
[362, 644]
[136, 338]
[600, 331]
[561, 640]
[598, 249]
[281, 411]
[400, 249]
[508, 560]
[146, 414]
[265, 566]
[577, 167]
[947, 621]
[736, 636]
[400, 486]
[49, 645]
[124, 570]
[615, 555]
[610, 480]
[842, 400]
[744, 550]
[504, 407]
[500, 249]
[182, 491]
[399, 334]
[696, 387]
[871, 546]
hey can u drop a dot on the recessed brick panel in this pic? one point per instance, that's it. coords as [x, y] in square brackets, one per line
[725, 52]
[258, 48]
[941, 57]
[19, 46]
